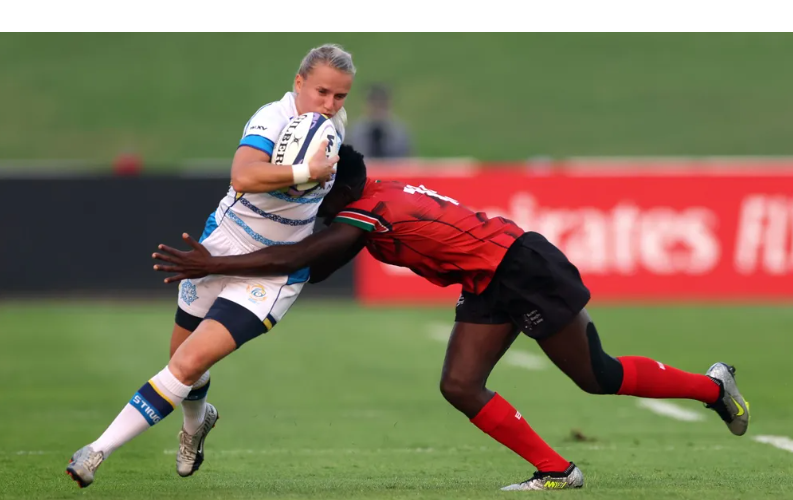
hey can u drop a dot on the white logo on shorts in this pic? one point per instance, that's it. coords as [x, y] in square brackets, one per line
[256, 293]
[532, 319]
[188, 292]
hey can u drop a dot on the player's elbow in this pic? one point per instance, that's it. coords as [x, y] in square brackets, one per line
[239, 183]
[238, 186]
[242, 176]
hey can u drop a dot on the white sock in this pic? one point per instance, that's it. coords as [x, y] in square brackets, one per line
[154, 401]
[195, 404]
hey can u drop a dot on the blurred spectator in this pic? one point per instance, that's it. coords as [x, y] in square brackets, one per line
[379, 134]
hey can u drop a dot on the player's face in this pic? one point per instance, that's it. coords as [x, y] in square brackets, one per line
[324, 90]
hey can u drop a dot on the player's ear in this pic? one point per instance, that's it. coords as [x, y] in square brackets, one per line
[298, 83]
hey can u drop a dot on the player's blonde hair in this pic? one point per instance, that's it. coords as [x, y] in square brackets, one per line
[337, 58]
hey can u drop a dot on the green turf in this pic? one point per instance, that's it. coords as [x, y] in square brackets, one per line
[341, 402]
[173, 97]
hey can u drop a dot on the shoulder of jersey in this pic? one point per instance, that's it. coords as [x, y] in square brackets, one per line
[270, 118]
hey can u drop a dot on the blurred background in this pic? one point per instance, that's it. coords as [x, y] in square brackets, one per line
[660, 163]
[128, 137]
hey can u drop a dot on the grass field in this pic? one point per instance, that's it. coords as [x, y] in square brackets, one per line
[172, 97]
[340, 402]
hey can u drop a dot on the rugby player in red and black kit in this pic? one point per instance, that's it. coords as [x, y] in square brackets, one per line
[512, 280]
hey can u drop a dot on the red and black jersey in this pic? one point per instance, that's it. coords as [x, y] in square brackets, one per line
[433, 235]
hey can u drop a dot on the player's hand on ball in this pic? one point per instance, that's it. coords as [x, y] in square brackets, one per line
[321, 167]
[192, 264]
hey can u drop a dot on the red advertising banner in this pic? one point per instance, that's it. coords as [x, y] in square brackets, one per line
[634, 237]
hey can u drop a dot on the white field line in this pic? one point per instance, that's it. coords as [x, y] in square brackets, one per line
[670, 410]
[781, 442]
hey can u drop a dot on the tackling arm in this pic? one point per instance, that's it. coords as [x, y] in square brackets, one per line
[335, 241]
[323, 268]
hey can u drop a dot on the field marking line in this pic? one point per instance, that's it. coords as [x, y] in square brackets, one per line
[671, 410]
[781, 442]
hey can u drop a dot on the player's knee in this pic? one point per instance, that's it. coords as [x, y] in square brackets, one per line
[590, 386]
[187, 367]
[608, 371]
[459, 391]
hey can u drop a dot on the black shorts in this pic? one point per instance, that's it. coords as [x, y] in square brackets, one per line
[535, 287]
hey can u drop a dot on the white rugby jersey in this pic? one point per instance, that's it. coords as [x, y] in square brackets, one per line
[257, 220]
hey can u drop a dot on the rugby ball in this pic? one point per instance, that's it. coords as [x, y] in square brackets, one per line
[299, 141]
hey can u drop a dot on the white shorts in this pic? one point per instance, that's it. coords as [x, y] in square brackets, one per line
[247, 306]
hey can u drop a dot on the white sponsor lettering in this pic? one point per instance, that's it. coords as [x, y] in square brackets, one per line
[764, 239]
[145, 408]
[625, 238]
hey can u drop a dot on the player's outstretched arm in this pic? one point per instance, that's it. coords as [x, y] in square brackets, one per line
[329, 264]
[252, 172]
[337, 239]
